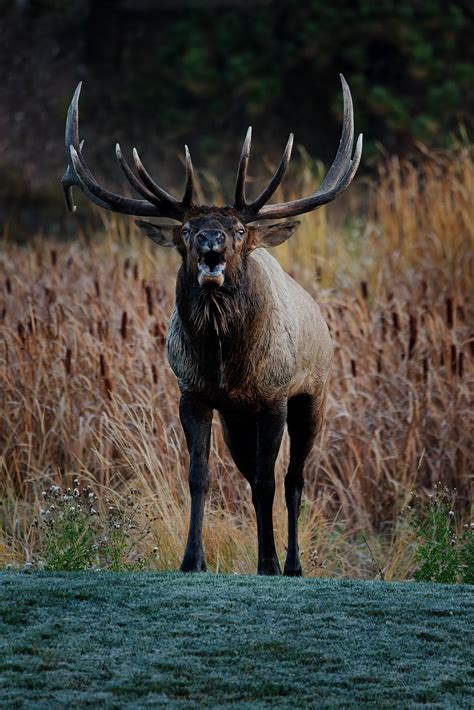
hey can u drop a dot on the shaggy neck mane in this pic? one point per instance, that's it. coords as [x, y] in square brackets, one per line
[219, 311]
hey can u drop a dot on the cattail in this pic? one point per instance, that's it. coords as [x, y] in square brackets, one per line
[395, 321]
[353, 368]
[460, 363]
[413, 336]
[449, 312]
[67, 361]
[365, 290]
[453, 359]
[379, 361]
[97, 288]
[123, 326]
[135, 272]
[149, 300]
[154, 374]
[8, 285]
[104, 373]
[126, 266]
[54, 257]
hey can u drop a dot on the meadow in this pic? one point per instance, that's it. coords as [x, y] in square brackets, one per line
[86, 392]
[98, 639]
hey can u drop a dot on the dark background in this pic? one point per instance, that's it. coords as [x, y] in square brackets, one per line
[159, 73]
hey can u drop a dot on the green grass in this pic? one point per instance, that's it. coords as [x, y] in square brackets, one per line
[94, 639]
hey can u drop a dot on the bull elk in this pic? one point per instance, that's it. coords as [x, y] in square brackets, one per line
[244, 338]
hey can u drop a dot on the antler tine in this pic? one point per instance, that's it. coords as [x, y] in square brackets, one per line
[274, 183]
[189, 187]
[338, 178]
[132, 178]
[106, 199]
[78, 174]
[308, 204]
[162, 195]
[239, 201]
[343, 155]
[71, 138]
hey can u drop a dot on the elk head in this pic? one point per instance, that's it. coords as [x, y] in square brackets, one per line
[213, 241]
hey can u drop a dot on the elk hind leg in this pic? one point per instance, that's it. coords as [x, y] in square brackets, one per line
[305, 417]
[254, 442]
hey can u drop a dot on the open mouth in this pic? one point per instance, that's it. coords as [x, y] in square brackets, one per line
[211, 268]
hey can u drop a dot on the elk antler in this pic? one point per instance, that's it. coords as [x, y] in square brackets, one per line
[339, 176]
[157, 202]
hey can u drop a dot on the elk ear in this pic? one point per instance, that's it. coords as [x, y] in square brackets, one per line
[272, 235]
[162, 234]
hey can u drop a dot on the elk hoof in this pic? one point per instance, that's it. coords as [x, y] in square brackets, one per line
[193, 563]
[292, 570]
[270, 567]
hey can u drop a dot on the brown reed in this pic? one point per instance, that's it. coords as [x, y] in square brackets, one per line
[85, 389]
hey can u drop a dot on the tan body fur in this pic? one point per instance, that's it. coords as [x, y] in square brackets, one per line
[287, 349]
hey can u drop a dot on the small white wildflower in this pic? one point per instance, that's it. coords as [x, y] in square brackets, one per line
[91, 496]
[472, 526]
[54, 489]
[76, 492]
[93, 511]
[44, 494]
[451, 513]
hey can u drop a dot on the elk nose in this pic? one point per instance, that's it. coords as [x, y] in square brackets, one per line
[209, 239]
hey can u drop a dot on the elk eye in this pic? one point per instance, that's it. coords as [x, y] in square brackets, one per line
[185, 232]
[241, 232]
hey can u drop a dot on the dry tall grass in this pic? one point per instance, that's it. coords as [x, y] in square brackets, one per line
[86, 389]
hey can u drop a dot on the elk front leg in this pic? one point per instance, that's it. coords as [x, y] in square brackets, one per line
[270, 427]
[196, 419]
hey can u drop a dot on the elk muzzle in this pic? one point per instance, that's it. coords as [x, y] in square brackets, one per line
[210, 244]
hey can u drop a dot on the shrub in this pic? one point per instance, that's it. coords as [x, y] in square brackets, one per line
[75, 534]
[445, 556]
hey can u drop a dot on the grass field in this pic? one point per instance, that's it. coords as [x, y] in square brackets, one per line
[85, 389]
[153, 640]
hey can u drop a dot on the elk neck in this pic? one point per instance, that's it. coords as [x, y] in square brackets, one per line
[225, 313]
